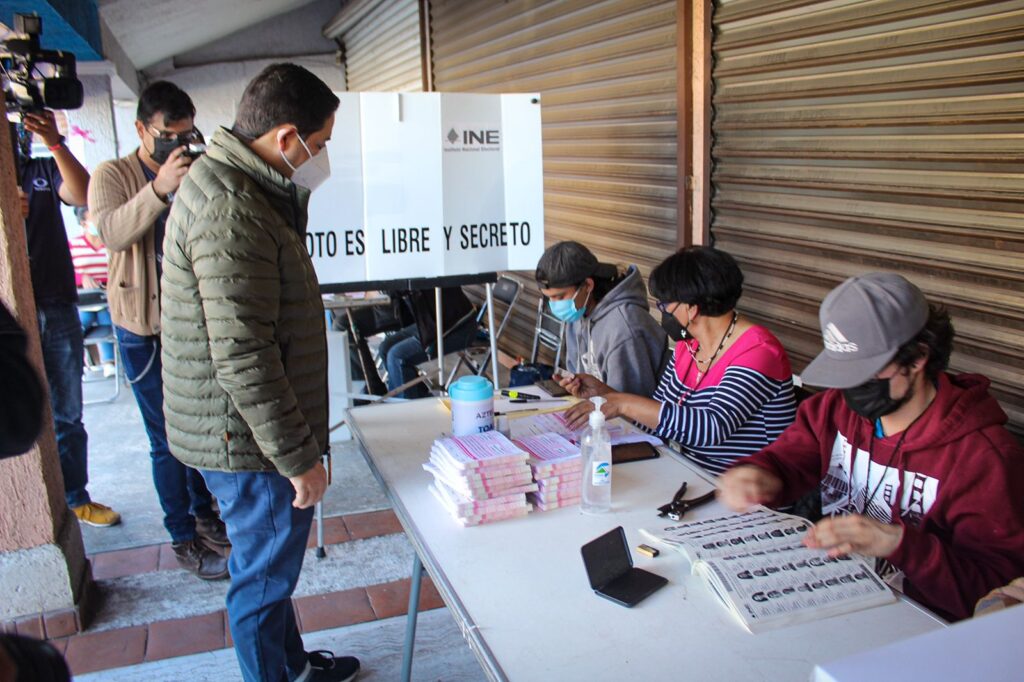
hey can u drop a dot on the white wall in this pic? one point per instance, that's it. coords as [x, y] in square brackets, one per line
[91, 134]
[216, 88]
[124, 120]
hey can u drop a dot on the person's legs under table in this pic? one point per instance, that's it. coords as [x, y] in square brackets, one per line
[397, 351]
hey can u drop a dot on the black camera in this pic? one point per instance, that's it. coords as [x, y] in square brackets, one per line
[195, 149]
[34, 78]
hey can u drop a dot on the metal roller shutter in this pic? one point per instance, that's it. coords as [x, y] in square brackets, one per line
[382, 45]
[606, 72]
[880, 134]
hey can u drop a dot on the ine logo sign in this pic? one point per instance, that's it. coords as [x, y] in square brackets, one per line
[473, 138]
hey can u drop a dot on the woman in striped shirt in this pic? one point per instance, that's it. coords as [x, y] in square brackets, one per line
[728, 390]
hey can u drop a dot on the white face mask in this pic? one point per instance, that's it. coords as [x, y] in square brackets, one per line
[313, 172]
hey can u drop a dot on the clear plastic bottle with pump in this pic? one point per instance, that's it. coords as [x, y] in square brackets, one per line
[596, 493]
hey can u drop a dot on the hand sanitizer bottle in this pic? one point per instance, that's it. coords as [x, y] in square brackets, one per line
[596, 495]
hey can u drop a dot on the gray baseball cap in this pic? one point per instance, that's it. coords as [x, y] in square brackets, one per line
[864, 321]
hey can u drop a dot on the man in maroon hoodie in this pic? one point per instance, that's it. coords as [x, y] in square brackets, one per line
[915, 465]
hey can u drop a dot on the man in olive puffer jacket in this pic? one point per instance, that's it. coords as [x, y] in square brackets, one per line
[245, 357]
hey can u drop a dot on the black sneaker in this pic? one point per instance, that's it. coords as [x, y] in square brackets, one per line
[201, 560]
[326, 667]
[213, 531]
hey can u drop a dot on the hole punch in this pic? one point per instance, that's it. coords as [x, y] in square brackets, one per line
[678, 507]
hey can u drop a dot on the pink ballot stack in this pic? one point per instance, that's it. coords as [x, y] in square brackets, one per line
[556, 466]
[480, 478]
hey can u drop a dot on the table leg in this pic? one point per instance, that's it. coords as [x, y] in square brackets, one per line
[438, 312]
[320, 551]
[489, 290]
[410, 623]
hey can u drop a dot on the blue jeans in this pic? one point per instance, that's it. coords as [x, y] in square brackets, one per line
[97, 318]
[402, 351]
[60, 334]
[268, 541]
[181, 489]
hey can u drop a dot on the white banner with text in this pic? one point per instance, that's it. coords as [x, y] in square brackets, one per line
[429, 185]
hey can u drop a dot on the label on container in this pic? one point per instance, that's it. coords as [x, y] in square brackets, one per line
[602, 474]
[472, 417]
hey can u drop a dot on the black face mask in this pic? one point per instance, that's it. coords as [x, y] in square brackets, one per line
[162, 148]
[672, 327]
[872, 399]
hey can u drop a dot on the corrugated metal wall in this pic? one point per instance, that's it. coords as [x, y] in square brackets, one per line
[606, 72]
[382, 47]
[881, 134]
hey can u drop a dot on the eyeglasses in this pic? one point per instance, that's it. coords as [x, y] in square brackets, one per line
[662, 307]
[186, 137]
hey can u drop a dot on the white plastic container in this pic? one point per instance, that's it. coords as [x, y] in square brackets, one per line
[596, 493]
[472, 399]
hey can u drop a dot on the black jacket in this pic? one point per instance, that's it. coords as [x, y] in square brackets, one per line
[21, 411]
[417, 307]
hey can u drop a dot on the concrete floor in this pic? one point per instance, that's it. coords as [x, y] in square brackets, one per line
[440, 655]
[119, 473]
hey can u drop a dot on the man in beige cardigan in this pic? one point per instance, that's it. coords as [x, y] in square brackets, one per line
[129, 199]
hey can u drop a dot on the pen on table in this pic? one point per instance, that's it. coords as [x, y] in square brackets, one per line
[519, 395]
[534, 400]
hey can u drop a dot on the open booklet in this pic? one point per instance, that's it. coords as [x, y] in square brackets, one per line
[757, 565]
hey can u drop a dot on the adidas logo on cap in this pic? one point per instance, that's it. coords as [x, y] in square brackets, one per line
[836, 342]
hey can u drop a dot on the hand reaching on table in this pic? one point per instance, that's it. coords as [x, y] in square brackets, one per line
[743, 487]
[576, 416]
[582, 385]
[1001, 597]
[855, 533]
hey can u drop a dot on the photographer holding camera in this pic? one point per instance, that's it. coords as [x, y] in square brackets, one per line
[129, 200]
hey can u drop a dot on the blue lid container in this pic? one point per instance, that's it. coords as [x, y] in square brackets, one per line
[471, 388]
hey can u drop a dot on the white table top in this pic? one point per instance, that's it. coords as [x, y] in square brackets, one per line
[520, 593]
[985, 648]
[353, 301]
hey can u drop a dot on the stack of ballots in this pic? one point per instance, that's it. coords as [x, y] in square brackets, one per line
[480, 478]
[556, 465]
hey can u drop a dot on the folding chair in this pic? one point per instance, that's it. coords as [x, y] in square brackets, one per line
[104, 333]
[476, 357]
[548, 333]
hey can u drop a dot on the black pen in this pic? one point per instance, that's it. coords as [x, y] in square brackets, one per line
[521, 399]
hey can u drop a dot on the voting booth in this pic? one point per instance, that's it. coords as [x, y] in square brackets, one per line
[429, 186]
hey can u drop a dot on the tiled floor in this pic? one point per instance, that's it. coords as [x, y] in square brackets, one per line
[90, 652]
[128, 561]
[337, 530]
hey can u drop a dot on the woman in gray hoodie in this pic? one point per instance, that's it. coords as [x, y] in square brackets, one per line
[610, 333]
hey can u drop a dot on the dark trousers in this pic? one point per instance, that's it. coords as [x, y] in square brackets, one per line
[268, 542]
[60, 334]
[402, 351]
[181, 489]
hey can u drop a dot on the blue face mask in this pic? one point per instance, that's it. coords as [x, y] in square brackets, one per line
[566, 310]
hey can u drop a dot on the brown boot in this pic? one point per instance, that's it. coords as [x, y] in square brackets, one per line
[214, 533]
[201, 560]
